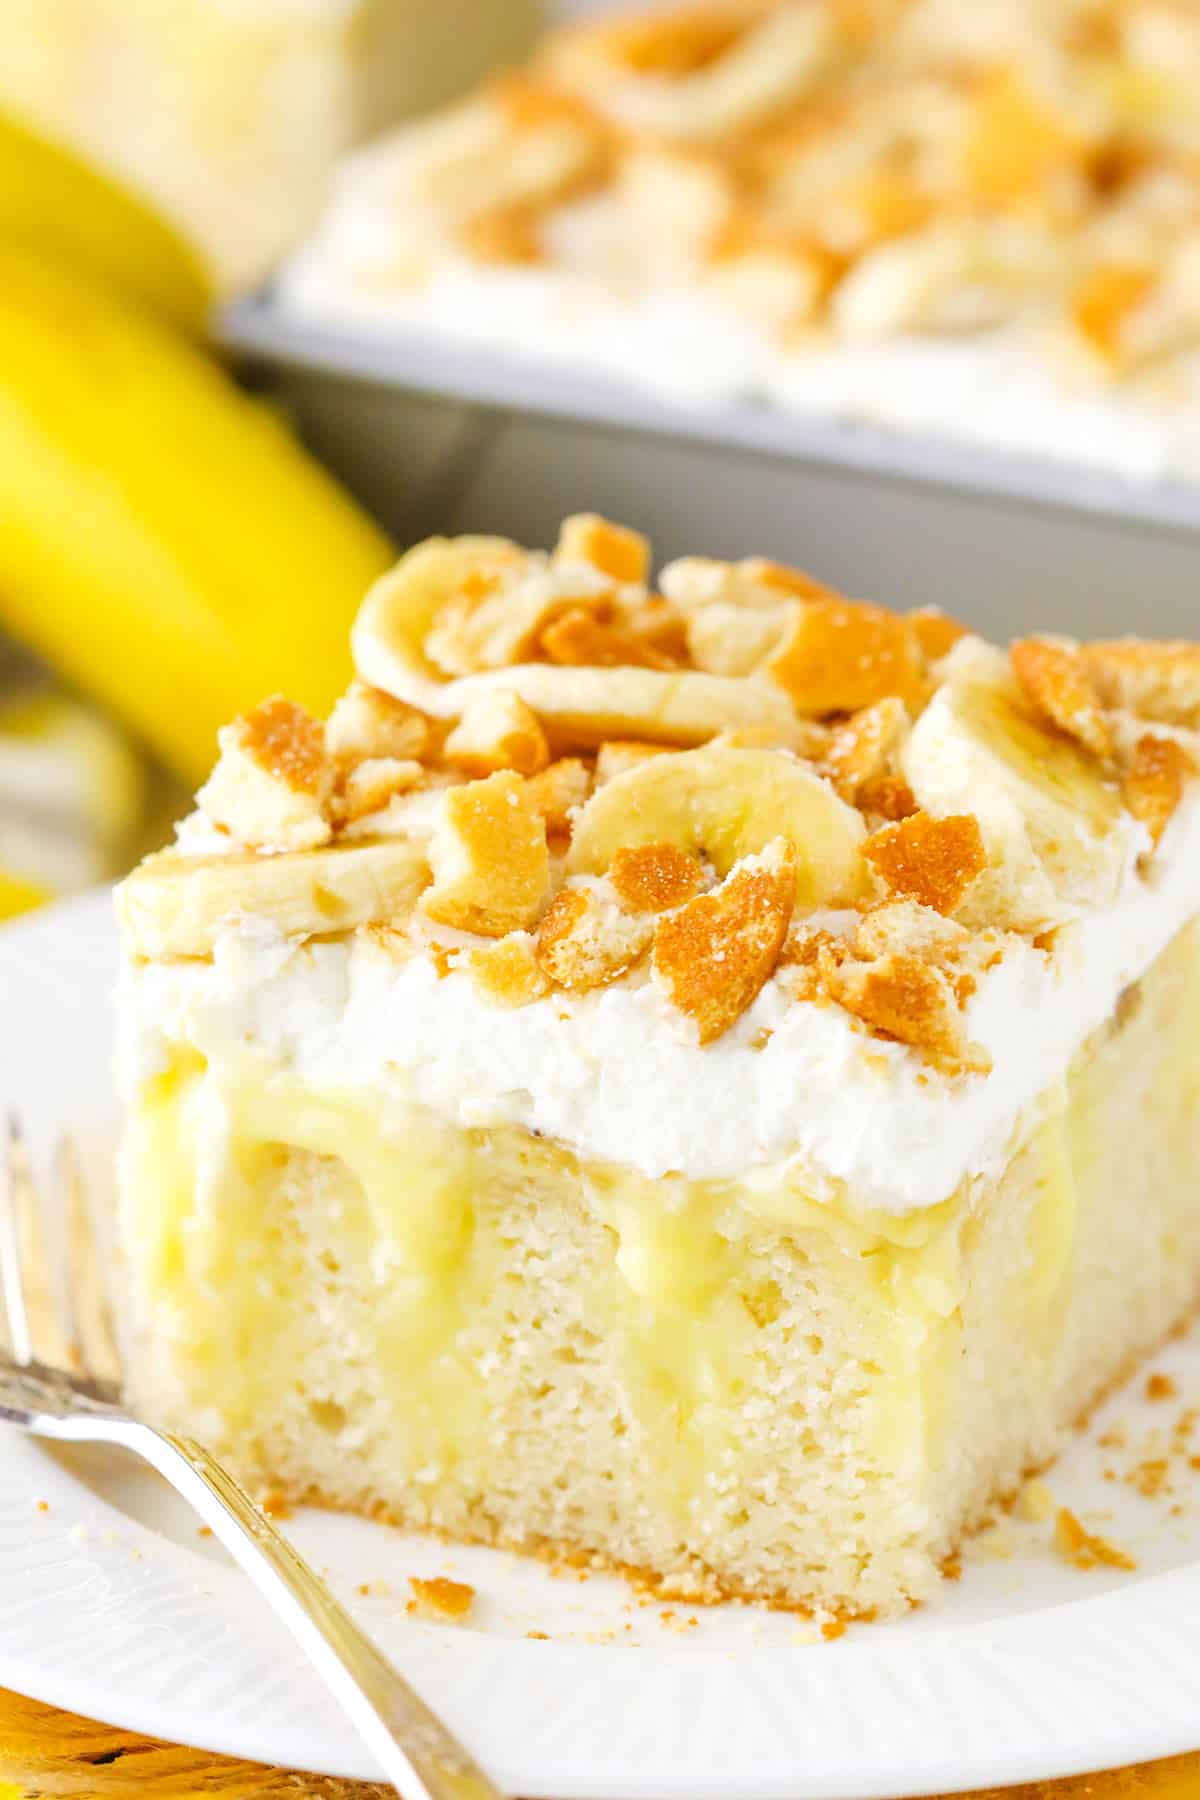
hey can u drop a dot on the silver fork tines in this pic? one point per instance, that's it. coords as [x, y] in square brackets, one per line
[60, 1377]
[16, 1189]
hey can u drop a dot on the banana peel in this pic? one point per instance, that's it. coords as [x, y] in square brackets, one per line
[165, 542]
[54, 203]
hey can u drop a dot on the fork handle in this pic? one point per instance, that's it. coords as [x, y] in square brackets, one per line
[411, 1745]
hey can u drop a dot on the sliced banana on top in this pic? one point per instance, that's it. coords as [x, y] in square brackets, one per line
[578, 706]
[725, 804]
[1048, 816]
[174, 905]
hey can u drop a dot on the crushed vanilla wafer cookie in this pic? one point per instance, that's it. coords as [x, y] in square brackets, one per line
[497, 731]
[444, 1601]
[587, 939]
[1154, 781]
[1086, 1549]
[659, 1114]
[1059, 685]
[1155, 681]
[655, 877]
[714, 954]
[488, 858]
[367, 724]
[370, 785]
[507, 970]
[273, 783]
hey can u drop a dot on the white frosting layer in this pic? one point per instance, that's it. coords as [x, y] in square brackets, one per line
[616, 1075]
[997, 388]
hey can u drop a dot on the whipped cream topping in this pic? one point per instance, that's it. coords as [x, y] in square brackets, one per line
[616, 1075]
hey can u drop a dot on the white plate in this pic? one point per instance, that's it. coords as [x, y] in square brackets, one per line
[112, 1605]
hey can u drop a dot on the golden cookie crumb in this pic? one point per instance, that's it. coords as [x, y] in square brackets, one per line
[905, 998]
[930, 860]
[449, 1602]
[655, 877]
[496, 615]
[714, 955]
[1016, 144]
[1104, 301]
[586, 940]
[497, 731]
[286, 743]
[491, 866]
[859, 749]
[369, 785]
[578, 639]
[506, 971]
[366, 722]
[508, 233]
[783, 579]
[613, 549]
[1058, 684]
[887, 797]
[1158, 680]
[558, 790]
[273, 780]
[910, 926]
[655, 624]
[1154, 782]
[1084, 1548]
[842, 655]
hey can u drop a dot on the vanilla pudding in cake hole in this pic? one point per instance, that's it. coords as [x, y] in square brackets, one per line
[699, 1076]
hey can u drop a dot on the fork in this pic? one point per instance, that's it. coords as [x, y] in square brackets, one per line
[63, 1380]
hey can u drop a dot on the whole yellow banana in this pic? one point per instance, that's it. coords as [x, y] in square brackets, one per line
[165, 542]
[53, 202]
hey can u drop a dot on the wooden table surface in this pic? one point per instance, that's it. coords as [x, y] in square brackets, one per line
[44, 1752]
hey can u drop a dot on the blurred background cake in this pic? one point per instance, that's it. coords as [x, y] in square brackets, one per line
[229, 113]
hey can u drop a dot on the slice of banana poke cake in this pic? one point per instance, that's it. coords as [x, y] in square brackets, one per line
[706, 1079]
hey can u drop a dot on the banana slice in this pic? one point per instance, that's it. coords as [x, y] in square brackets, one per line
[578, 706]
[177, 905]
[1048, 818]
[725, 804]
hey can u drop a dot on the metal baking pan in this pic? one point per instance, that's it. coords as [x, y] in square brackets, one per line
[437, 438]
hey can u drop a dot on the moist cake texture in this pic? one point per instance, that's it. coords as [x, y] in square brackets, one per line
[960, 219]
[702, 1078]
